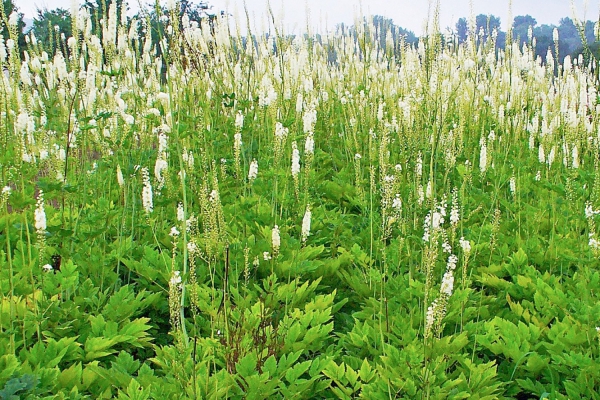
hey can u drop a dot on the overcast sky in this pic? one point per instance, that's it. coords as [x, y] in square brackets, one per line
[408, 14]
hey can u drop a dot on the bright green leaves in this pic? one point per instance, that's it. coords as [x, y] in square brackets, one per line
[107, 335]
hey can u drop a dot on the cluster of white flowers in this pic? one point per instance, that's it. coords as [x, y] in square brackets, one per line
[429, 190]
[551, 155]
[188, 158]
[465, 245]
[275, 239]
[309, 119]
[161, 163]
[512, 185]
[397, 203]
[5, 194]
[239, 120]
[589, 210]
[575, 157]
[447, 283]
[541, 154]
[295, 160]
[237, 141]
[147, 202]
[175, 279]
[593, 242]
[431, 224]
[483, 156]
[40, 214]
[266, 93]
[419, 166]
[309, 146]
[253, 170]
[120, 179]
[281, 132]
[306, 224]
[299, 102]
[192, 247]
[180, 212]
[454, 212]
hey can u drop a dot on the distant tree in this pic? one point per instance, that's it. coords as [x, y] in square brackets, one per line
[99, 9]
[49, 25]
[487, 23]
[462, 30]
[569, 38]
[484, 24]
[153, 19]
[544, 40]
[520, 27]
[9, 8]
[385, 25]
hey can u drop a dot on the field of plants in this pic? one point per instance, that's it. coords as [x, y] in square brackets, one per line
[231, 215]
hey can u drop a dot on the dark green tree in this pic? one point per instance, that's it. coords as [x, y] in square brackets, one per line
[544, 40]
[485, 25]
[49, 25]
[462, 30]
[9, 8]
[569, 38]
[521, 25]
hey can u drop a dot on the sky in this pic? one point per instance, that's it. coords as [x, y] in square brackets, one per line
[323, 15]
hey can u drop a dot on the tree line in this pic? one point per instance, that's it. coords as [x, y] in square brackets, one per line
[51, 27]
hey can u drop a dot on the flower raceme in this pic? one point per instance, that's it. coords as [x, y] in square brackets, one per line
[40, 214]
[147, 192]
[275, 240]
[253, 170]
[306, 224]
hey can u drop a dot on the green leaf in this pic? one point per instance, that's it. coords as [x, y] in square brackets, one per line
[98, 347]
[247, 366]
[294, 373]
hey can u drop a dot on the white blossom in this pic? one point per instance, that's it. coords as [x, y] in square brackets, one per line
[483, 159]
[465, 245]
[309, 146]
[447, 283]
[40, 214]
[147, 192]
[454, 212]
[175, 278]
[275, 239]
[295, 160]
[120, 179]
[13, 18]
[512, 184]
[306, 224]
[239, 120]
[180, 212]
[253, 170]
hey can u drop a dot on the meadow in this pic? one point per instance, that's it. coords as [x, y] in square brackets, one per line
[311, 216]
